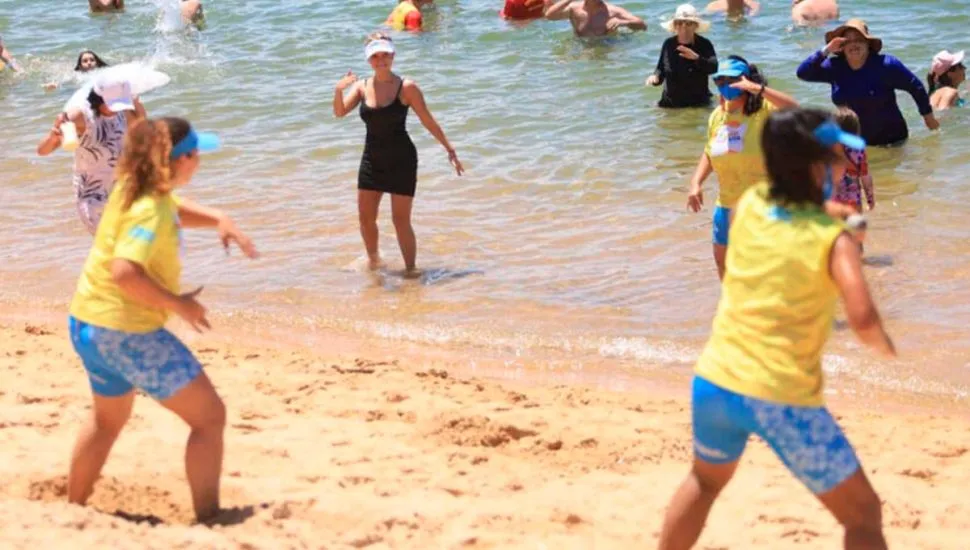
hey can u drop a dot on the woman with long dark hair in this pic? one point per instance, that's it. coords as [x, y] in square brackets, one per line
[100, 126]
[946, 74]
[761, 370]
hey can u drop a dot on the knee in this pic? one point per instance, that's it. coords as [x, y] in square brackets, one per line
[213, 418]
[110, 425]
[402, 222]
[366, 219]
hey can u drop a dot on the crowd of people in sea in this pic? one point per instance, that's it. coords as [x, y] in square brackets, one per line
[788, 227]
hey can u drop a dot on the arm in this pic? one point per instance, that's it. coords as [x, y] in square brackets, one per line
[658, 74]
[53, 140]
[413, 97]
[780, 100]
[193, 214]
[344, 103]
[817, 68]
[708, 60]
[140, 113]
[559, 10]
[627, 19]
[695, 197]
[753, 7]
[845, 265]
[901, 78]
[137, 285]
[7, 58]
[866, 178]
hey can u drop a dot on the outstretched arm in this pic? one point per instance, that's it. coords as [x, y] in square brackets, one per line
[901, 78]
[845, 265]
[414, 98]
[193, 214]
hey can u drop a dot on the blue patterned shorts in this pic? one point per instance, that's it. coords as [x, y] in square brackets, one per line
[806, 439]
[157, 362]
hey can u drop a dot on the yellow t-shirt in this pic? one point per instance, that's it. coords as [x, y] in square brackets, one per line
[405, 17]
[734, 147]
[777, 303]
[148, 234]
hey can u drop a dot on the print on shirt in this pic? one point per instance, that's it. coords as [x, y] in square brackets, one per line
[728, 139]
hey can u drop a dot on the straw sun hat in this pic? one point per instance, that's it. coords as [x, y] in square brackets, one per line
[875, 44]
[686, 12]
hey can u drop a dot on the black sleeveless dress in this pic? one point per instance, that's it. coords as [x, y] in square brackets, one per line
[390, 161]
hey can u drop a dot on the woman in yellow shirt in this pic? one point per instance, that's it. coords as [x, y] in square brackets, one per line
[761, 371]
[128, 287]
[733, 149]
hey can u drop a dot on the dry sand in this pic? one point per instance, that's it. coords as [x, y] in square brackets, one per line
[338, 451]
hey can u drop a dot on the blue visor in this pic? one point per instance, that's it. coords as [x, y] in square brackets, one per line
[731, 68]
[829, 133]
[201, 141]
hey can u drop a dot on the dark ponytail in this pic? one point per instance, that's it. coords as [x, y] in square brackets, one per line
[937, 82]
[752, 102]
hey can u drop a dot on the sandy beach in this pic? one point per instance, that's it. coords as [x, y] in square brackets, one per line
[359, 451]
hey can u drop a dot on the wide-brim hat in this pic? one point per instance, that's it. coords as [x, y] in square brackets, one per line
[875, 44]
[686, 12]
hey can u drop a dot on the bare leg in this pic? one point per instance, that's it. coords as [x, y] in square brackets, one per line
[98, 435]
[856, 506]
[200, 407]
[368, 204]
[692, 503]
[401, 212]
[720, 255]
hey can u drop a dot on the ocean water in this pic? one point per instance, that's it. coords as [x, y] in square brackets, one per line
[567, 237]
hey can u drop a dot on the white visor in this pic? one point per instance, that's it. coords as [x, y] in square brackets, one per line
[378, 46]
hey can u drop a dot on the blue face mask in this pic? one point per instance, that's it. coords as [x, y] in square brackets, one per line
[729, 93]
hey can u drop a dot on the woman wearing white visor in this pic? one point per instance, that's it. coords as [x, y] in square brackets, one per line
[390, 161]
[101, 125]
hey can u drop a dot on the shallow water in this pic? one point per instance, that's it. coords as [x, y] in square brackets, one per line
[568, 234]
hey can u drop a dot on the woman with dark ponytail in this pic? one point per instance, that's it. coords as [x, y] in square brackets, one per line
[733, 149]
[127, 289]
[946, 74]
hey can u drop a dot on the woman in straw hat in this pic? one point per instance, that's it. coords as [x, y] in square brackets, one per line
[866, 81]
[946, 74]
[686, 61]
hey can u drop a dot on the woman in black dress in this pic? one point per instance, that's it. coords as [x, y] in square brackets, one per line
[390, 161]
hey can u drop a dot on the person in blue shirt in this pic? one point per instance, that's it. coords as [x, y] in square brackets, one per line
[866, 81]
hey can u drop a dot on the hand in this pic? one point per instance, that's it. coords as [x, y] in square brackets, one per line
[835, 46]
[931, 122]
[687, 53]
[192, 311]
[613, 24]
[653, 80]
[229, 233]
[453, 159]
[61, 119]
[746, 85]
[695, 199]
[347, 80]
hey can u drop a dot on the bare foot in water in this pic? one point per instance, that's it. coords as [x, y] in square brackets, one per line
[412, 273]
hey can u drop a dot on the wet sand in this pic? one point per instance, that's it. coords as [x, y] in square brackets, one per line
[328, 449]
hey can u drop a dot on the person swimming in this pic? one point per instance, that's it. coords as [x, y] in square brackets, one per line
[594, 17]
[734, 8]
[804, 12]
[103, 6]
[407, 15]
[87, 61]
[192, 13]
[946, 74]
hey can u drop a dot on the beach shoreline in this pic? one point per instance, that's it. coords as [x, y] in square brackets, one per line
[383, 445]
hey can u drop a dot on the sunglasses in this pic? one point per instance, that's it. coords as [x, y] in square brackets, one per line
[726, 80]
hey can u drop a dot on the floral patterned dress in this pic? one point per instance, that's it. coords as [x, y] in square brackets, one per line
[94, 165]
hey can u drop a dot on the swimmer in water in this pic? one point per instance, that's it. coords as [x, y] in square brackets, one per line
[522, 10]
[101, 6]
[805, 12]
[946, 74]
[407, 15]
[594, 17]
[192, 13]
[734, 8]
[87, 61]
[7, 58]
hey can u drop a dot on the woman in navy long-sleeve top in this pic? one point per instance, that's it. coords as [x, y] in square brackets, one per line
[866, 81]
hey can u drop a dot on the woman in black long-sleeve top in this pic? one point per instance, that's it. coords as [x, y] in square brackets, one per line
[686, 61]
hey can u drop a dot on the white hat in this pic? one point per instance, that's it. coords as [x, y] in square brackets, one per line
[115, 93]
[687, 12]
[378, 46]
[944, 61]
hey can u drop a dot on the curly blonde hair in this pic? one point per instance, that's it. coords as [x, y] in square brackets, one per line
[145, 163]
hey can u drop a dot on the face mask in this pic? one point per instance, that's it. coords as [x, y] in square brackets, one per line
[729, 93]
